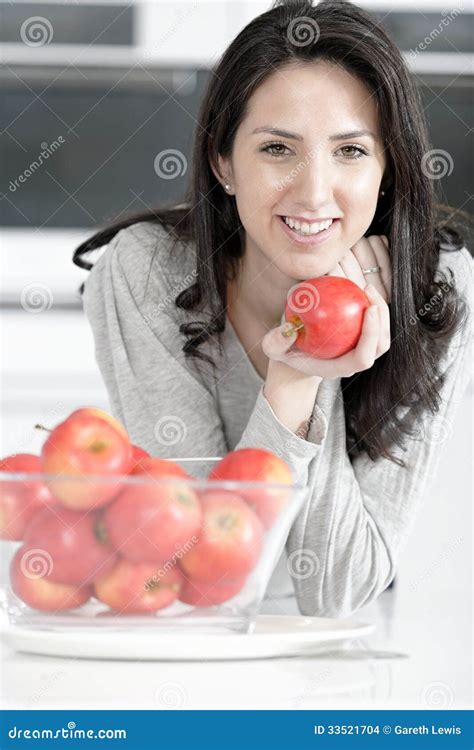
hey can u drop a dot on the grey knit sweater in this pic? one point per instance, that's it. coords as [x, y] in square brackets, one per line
[352, 530]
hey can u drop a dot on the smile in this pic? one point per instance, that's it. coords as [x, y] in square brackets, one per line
[305, 228]
[309, 234]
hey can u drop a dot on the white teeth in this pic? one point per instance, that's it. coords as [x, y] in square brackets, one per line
[306, 228]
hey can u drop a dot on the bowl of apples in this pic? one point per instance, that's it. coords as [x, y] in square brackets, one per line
[95, 532]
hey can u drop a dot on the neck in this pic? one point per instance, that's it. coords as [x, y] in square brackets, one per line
[259, 292]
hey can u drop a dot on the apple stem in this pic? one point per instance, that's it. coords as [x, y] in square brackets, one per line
[292, 329]
[41, 427]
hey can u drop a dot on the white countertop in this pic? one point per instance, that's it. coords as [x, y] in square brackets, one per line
[433, 629]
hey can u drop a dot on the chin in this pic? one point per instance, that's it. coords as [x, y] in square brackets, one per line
[303, 271]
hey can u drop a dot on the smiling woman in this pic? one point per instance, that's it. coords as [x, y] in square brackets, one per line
[310, 159]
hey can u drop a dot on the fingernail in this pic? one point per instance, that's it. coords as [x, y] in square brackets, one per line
[373, 311]
[288, 330]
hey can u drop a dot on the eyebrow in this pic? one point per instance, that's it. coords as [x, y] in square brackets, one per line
[296, 137]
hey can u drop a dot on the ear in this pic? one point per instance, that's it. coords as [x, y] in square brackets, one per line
[223, 170]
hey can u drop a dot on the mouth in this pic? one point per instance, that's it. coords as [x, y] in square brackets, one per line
[307, 238]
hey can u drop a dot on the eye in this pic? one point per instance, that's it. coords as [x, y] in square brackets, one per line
[360, 151]
[272, 146]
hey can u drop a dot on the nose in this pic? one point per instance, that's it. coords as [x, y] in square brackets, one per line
[313, 187]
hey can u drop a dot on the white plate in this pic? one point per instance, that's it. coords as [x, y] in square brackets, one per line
[274, 635]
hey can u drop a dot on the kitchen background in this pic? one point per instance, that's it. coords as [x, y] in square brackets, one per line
[102, 88]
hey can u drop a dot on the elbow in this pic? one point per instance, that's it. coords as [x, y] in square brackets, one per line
[340, 595]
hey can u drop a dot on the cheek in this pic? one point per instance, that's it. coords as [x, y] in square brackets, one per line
[361, 189]
[359, 204]
[257, 204]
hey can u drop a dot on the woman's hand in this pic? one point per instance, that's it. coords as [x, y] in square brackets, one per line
[368, 252]
[375, 336]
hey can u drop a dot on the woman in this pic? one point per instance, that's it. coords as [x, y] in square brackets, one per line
[186, 303]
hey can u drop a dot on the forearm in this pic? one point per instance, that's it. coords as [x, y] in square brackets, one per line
[291, 394]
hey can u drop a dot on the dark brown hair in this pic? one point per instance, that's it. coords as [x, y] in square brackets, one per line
[408, 374]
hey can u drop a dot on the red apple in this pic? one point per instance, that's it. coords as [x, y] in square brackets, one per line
[159, 468]
[134, 588]
[138, 454]
[207, 594]
[28, 576]
[20, 500]
[150, 521]
[230, 541]
[330, 310]
[89, 442]
[257, 465]
[75, 542]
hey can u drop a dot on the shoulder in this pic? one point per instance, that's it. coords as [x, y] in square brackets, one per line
[145, 260]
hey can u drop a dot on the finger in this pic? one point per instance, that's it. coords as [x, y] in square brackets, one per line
[381, 251]
[366, 257]
[384, 319]
[309, 365]
[363, 356]
[275, 344]
[352, 269]
[358, 359]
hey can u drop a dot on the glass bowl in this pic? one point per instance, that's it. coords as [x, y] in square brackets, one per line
[216, 544]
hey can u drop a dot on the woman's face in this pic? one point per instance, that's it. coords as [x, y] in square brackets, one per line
[314, 175]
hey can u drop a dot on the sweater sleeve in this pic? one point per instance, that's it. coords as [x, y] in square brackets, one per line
[157, 396]
[343, 551]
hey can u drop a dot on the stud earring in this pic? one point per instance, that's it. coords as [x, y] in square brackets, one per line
[227, 187]
[382, 192]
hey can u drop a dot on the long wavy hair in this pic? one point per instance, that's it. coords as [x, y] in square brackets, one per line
[416, 226]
